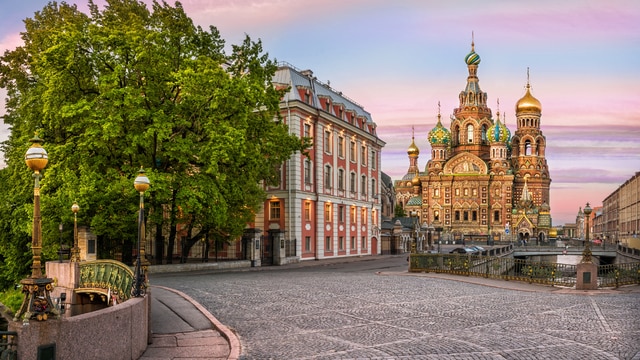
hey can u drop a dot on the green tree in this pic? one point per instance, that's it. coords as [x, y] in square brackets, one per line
[399, 211]
[124, 87]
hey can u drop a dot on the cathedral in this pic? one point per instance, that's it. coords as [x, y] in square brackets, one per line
[481, 183]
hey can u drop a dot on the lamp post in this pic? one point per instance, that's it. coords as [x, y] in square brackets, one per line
[414, 215]
[60, 247]
[586, 254]
[141, 184]
[36, 289]
[75, 251]
[438, 229]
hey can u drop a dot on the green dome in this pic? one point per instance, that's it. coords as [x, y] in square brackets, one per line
[498, 132]
[472, 58]
[439, 135]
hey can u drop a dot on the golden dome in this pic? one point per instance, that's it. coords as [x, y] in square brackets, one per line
[553, 232]
[416, 181]
[413, 149]
[528, 103]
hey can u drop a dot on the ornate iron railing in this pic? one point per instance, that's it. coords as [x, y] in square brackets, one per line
[505, 268]
[8, 346]
[108, 278]
[495, 267]
[615, 275]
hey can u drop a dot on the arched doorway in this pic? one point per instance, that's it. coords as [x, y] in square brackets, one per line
[523, 237]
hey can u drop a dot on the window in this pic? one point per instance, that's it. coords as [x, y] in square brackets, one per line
[307, 130]
[484, 133]
[307, 211]
[436, 192]
[352, 183]
[328, 216]
[527, 147]
[436, 215]
[374, 159]
[474, 192]
[352, 151]
[469, 133]
[363, 155]
[353, 243]
[474, 215]
[327, 176]
[327, 141]
[274, 210]
[466, 192]
[465, 215]
[307, 98]
[341, 146]
[341, 243]
[373, 187]
[340, 179]
[363, 185]
[497, 191]
[307, 171]
[364, 242]
[496, 215]
[353, 215]
[374, 217]
[327, 243]
[341, 214]
[457, 215]
[457, 192]
[364, 216]
[307, 243]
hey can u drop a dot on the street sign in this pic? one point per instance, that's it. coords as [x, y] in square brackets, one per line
[506, 231]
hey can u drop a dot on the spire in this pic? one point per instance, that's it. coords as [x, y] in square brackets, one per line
[526, 196]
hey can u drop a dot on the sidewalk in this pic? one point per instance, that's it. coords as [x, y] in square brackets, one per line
[183, 329]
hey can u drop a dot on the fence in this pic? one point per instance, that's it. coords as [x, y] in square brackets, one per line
[8, 348]
[506, 268]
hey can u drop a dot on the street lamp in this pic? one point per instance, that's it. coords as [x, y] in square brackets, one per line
[141, 184]
[438, 229]
[60, 247]
[75, 251]
[414, 215]
[586, 254]
[36, 289]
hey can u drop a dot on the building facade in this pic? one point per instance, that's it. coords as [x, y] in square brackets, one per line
[481, 182]
[328, 203]
[621, 214]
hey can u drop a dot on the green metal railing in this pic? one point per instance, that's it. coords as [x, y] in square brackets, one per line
[506, 268]
[616, 275]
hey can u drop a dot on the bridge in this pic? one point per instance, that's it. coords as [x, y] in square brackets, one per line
[522, 251]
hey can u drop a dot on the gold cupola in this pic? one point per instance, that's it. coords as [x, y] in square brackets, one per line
[528, 103]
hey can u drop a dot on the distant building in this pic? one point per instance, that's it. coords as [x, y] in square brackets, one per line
[480, 182]
[621, 213]
[328, 204]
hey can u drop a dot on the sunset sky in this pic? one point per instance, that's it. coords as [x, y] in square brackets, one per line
[399, 59]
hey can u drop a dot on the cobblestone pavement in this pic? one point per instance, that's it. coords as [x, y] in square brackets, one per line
[352, 311]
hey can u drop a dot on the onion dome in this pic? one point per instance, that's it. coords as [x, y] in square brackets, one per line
[439, 135]
[413, 149]
[416, 180]
[498, 132]
[472, 58]
[528, 103]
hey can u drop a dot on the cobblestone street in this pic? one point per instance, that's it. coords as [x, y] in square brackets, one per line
[371, 309]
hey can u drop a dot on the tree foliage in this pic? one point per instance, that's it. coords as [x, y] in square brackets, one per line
[126, 86]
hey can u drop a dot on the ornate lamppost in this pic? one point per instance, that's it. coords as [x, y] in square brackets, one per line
[141, 185]
[36, 289]
[75, 251]
[586, 254]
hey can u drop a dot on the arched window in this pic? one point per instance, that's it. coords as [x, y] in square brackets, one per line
[436, 215]
[527, 147]
[469, 133]
[484, 133]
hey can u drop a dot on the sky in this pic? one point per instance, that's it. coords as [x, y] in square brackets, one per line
[400, 58]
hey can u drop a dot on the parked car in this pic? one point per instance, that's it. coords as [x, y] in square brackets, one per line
[479, 249]
[463, 250]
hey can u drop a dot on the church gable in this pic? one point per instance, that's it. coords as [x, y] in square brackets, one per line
[465, 163]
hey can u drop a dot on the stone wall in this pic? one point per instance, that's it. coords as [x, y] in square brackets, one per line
[117, 332]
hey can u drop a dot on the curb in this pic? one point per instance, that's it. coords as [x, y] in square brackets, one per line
[234, 342]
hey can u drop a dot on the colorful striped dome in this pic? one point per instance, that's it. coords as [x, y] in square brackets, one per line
[472, 58]
[498, 132]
